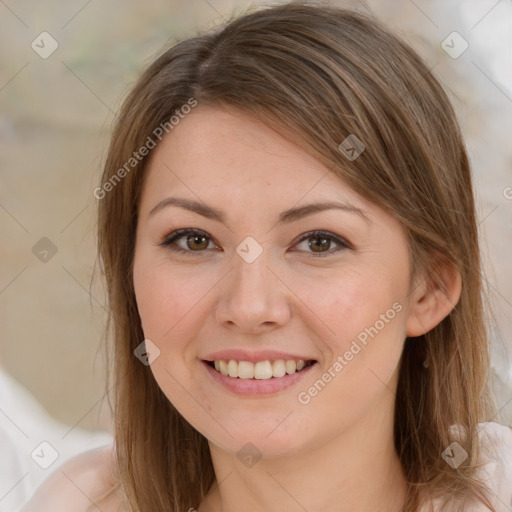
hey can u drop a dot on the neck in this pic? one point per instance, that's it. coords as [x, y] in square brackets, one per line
[358, 470]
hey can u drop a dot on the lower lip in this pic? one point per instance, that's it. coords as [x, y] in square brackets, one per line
[257, 387]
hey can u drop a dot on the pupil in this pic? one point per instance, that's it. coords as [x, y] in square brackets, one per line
[195, 238]
[324, 242]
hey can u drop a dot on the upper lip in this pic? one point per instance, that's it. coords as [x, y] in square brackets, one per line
[253, 357]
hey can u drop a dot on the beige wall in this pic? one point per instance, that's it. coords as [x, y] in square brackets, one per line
[55, 115]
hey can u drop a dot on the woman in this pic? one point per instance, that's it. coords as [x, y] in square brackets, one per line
[288, 234]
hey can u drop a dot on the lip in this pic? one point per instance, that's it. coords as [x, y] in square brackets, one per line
[256, 387]
[254, 357]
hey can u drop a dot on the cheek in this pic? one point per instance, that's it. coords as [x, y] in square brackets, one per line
[350, 302]
[167, 297]
[366, 318]
[169, 303]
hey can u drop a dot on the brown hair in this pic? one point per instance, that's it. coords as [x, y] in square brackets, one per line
[317, 74]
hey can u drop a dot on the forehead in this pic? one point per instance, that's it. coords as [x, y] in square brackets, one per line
[230, 155]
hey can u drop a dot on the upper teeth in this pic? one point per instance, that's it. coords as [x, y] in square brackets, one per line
[260, 370]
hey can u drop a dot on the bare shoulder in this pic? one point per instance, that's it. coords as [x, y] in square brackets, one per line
[78, 485]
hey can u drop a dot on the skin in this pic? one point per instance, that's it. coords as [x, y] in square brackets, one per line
[335, 453]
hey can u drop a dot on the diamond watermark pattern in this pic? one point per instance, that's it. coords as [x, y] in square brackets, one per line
[44, 250]
[454, 45]
[44, 455]
[147, 352]
[455, 455]
[249, 455]
[351, 147]
[44, 45]
[249, 250]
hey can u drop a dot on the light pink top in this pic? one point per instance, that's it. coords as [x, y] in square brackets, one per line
[495, 471]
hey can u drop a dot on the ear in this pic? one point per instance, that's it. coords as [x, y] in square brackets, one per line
[433, 298]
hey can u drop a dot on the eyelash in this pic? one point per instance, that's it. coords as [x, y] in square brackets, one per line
[170, 239]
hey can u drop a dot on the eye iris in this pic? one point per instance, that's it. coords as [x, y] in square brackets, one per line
[324, 244]
[194, 238]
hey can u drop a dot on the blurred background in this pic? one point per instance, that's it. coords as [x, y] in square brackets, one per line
[64, 69]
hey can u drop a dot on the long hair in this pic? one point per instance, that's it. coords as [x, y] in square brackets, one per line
[317, 74]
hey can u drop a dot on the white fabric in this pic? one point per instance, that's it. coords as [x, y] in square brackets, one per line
[24, 424]
[495, 469]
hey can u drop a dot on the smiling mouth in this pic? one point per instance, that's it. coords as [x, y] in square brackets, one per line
[262, 370]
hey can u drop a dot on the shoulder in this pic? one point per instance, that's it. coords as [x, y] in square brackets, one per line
[496, 459]
[491, 433]
[494, 439]
[495, 446]
[493, 467]
[494, 464]
[78, 484]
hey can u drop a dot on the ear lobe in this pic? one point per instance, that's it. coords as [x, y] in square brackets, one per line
[434, 298]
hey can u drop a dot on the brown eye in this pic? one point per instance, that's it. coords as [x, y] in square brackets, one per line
[197, 242]
[194, 241]
[319, 243]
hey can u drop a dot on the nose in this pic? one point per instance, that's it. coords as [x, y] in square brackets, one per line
[253, 298]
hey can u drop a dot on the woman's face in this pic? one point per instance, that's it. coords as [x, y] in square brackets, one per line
[254, 284]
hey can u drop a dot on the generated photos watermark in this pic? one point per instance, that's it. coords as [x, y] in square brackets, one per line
[144, 150]
[357, 345]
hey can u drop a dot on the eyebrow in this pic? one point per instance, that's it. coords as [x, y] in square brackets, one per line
[286, 217]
